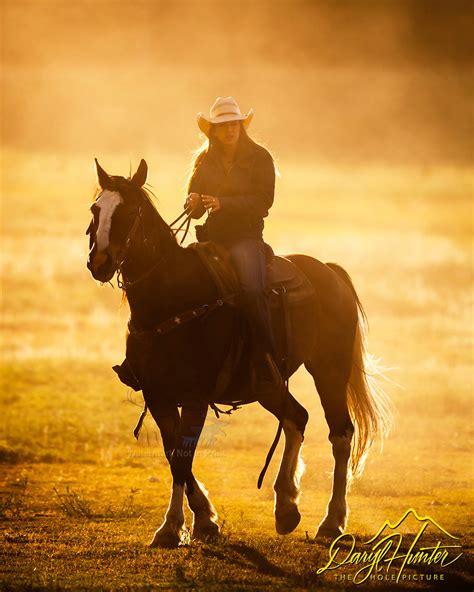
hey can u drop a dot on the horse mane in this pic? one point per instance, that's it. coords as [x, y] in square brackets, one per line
[162, 227]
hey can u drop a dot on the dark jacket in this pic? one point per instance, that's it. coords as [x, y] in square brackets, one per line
[245, 193]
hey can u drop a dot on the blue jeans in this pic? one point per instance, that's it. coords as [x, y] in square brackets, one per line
[248, 257]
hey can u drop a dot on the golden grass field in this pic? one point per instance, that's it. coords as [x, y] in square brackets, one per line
[81, 499]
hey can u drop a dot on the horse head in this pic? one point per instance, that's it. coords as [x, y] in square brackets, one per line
[115, 217]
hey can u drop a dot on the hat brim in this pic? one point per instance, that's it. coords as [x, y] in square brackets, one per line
[205, 124]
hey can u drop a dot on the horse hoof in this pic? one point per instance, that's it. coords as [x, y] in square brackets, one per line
[169, 539]
[287, 522]
[206, 533]
[328, 532]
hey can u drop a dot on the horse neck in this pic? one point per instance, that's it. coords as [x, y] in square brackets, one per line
[152, 242]
[146, 268]
[169, 282]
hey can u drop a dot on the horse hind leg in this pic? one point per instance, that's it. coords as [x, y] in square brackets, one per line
[337, 511]
[332, 389]
[287, 483]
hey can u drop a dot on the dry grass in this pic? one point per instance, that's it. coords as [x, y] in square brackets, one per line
[81, 498]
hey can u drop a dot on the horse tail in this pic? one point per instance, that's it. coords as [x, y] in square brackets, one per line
[369, 405]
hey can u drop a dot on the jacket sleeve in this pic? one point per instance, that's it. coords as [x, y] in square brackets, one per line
[255, 205]
[195, 187]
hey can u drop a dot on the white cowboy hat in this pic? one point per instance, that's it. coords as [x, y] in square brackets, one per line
[224, 109]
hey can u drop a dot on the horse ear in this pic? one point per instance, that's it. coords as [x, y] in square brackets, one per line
[102, 176]
[139, 178]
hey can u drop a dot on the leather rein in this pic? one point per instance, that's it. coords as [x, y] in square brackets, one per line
[122, 283]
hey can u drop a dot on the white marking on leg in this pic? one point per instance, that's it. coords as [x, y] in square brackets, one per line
[205, 515]
[171, 531]
[337, 511]
[287, 483]
[107, 203]
[175, 514]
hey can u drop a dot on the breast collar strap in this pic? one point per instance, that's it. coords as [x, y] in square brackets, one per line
[170, 324]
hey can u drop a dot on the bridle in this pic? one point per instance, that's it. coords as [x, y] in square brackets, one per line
[122, 283]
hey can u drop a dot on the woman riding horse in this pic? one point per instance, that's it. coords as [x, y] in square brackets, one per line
[233, 179]
[180, 333]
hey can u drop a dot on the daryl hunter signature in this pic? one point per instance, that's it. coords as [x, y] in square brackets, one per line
[385, 551]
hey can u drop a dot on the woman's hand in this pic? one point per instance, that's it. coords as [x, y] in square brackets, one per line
[211, 203]
[192, 202]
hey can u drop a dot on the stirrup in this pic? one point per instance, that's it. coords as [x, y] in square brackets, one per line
[267, 385]
[126, 375]
[274, 371]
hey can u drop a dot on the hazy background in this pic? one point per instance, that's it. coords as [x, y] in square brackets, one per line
[367, 107]
[332, 81]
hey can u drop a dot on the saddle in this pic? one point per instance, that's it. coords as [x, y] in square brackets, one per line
[287, 289]
[282, 274]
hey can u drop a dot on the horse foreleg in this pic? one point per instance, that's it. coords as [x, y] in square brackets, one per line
[287, 483]
[173, 529]
[205, 516]
[204, 513]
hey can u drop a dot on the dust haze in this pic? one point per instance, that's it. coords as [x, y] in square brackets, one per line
[334, 82]
[367, 107]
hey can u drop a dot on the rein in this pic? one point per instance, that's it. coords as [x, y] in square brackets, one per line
[124, 284]
[186, 222]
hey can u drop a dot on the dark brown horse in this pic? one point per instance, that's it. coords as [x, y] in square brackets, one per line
[180, 367]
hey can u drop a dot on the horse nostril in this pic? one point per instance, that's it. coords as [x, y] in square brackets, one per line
[98, 260]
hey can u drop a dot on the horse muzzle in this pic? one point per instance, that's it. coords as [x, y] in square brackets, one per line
[102, 265]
